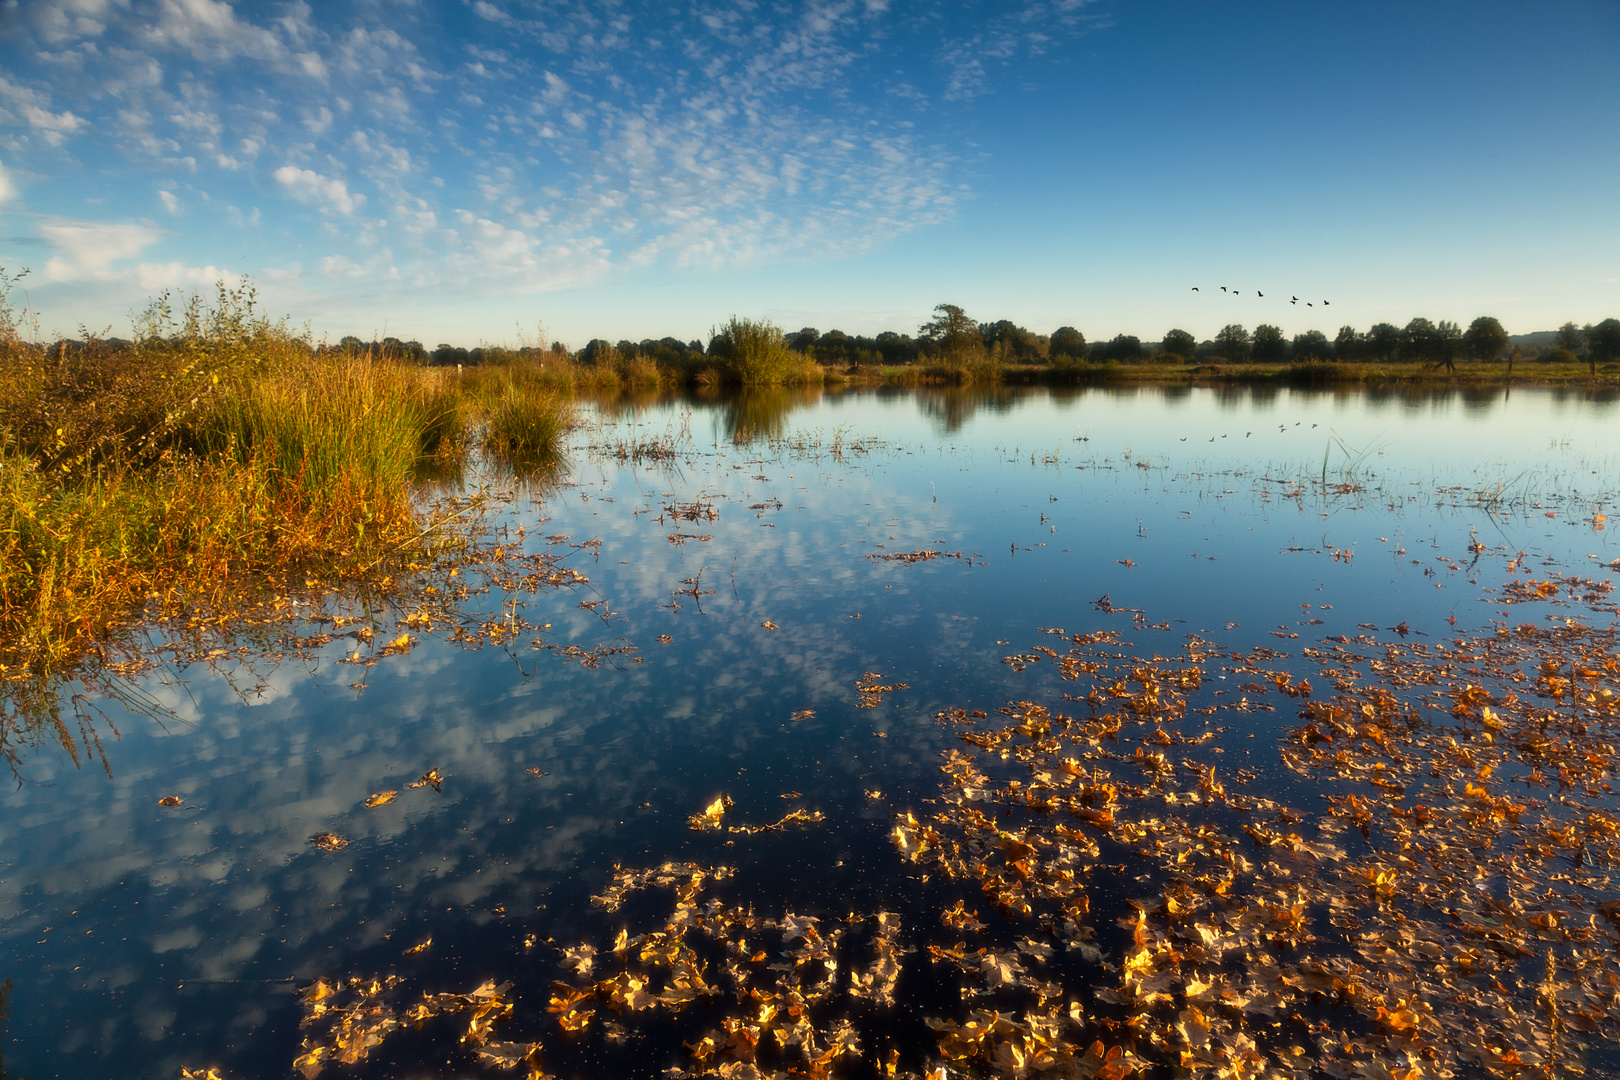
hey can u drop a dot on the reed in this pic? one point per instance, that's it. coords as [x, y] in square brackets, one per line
[216, 456]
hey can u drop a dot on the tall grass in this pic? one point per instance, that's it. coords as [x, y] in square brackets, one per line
[756, 354]
[216, 456]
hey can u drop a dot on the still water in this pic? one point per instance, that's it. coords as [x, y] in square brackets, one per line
[724, 653]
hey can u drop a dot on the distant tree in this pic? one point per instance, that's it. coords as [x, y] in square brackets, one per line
[1007, 340]
[450, 354]
[804, 340]
[1602, 343]
[1383, 342]
[599, 351]
[351, 344]
[836, 347]
[1181, 345]
[1569, 338]
[1347, 346]
[1485, 339]
[1417, 339]
[1067, 342]
[953, 335]
[1269, 344]
[1233, 343]
[895, 348]
[1434, 343]
[1311, 345]
[1124, 349]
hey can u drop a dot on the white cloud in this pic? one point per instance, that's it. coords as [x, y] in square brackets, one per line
[379, 265]
[170, 202]
[60, 21]
[313, 189]
[155, 277]
[8, 190]
[485, 10]
[34, 108]
[87, 249]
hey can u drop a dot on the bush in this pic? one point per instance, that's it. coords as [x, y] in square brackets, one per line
[755, 352]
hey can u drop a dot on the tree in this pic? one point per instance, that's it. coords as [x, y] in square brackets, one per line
[955, 336]
[1006, 338]
[1311, 345]
[1347, 346]
[1180, 344]
[1434, 343]
[1569, 338]
[1602, 343]
[1269, 344]
[1124, 349]
[804, 340]
[1069, 342]
[835, 346]
[1384, 341]
[1233, 343]
[1485, 339]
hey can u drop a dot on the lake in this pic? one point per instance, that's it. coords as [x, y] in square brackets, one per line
[1215, 618]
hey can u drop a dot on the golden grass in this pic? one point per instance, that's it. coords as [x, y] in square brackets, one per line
[186, 470]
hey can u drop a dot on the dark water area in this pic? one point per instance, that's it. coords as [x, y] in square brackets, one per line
[141, 938]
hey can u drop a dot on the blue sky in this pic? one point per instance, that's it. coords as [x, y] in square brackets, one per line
[493, 170]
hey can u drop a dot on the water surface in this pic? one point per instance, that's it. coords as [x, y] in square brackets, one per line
[141, 938]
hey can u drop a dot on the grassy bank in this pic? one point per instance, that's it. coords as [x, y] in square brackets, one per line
[217, 455]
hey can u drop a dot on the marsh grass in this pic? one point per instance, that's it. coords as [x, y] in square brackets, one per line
[756, 354]
[214, 457]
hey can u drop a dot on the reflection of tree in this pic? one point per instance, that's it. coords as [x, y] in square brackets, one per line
[953, 406]
[762, 411]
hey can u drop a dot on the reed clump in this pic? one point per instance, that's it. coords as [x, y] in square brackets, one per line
[214, 453]
[756, 353]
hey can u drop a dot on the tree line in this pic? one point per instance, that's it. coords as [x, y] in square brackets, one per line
[953, 338]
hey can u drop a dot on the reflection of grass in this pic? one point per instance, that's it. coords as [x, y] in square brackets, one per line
[1352, 458]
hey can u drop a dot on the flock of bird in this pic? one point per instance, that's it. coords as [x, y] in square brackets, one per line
[1257, 292]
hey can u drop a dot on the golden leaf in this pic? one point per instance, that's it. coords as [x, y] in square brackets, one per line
[381, 798]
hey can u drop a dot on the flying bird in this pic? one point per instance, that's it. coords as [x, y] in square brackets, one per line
[1195, 288]
[1223, 288]
[1259, 293]
[1236, 293]
[1293, 298]
[1324, 303]
[1309, 304]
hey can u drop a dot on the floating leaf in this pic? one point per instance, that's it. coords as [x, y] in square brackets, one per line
[710, 817]
[329, 841]
[169, 800]
[382, 797]
[432, 778]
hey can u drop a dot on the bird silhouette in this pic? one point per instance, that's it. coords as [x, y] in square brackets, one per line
[1259, 293]
[1195, 288]
[1293, 301]
[1293, 298]
[1309, 304]
[1223, 288]
[1236, 293]
[1324, 303]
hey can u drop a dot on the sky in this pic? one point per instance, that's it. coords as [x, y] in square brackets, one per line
[510, 171]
